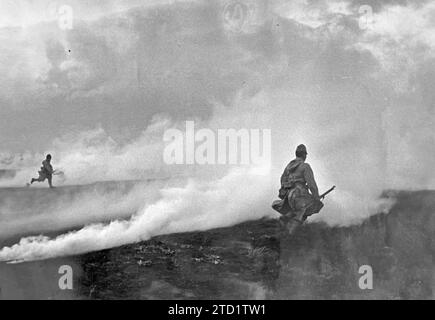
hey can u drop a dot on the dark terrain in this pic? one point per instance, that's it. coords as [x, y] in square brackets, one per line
[254, 260]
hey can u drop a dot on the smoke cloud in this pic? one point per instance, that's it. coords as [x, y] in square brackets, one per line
[361, 100]
[194, 207]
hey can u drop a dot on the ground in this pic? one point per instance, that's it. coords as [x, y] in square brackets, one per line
[254, 260]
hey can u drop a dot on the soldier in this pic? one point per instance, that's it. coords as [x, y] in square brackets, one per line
[46, 172]
[299, 192]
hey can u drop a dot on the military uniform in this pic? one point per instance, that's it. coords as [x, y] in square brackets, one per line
[297, 203]
[46, 172]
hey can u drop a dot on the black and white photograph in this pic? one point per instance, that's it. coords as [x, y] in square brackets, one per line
[233, 152]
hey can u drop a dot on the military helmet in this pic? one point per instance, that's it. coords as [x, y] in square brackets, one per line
[301, 149]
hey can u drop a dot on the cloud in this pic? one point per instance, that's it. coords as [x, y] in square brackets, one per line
[27, 13]
[401, 38]
[313, 14]
[127, 65]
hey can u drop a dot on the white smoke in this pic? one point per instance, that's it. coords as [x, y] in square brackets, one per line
[88, 156]
[197, 206]
[363, 135]
[213, 196]
[27, 212]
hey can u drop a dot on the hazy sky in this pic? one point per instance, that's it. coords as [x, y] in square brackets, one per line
[125, 61]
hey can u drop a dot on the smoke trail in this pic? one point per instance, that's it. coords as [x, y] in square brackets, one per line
[197, 206]
[203, 203]
[89, 156]
[26, 212]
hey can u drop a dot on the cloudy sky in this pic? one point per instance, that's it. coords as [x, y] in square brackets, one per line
[369, 64]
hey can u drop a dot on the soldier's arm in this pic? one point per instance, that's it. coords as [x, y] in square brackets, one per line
[284, 176]
[311, 182]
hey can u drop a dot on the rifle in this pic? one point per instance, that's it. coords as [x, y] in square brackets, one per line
[319, 204]
[57, 173]
[327, 192]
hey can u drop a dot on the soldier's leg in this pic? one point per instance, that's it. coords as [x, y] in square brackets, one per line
[296, 221]
[39, 179]
[285, 218]
[49, 181]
